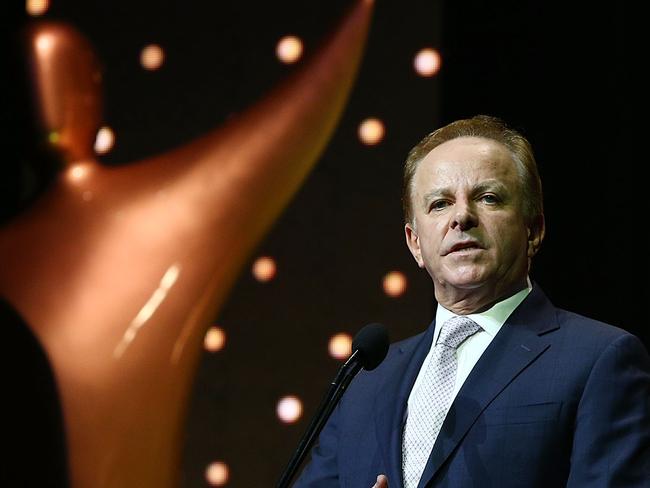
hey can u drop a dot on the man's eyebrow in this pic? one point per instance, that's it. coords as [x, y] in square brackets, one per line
[433, 194]
[490, 185]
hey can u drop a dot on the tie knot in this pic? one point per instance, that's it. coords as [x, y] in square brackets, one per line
[455, 330]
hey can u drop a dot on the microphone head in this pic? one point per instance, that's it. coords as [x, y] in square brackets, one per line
[372, 343]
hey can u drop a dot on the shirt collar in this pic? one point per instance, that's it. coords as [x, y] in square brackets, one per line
[492, 319]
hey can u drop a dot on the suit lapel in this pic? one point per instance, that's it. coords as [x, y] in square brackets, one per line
[390, 403]
[515, 347]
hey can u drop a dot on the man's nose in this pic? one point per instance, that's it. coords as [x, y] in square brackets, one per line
[464, 216]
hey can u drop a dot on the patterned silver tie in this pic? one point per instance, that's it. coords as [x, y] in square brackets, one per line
[432, 399]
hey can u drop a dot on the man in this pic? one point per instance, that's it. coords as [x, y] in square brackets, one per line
[503, 389]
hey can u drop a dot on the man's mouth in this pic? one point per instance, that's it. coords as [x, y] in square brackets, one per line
[464, 246]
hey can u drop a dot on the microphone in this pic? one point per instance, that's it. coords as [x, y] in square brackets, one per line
[369, 348]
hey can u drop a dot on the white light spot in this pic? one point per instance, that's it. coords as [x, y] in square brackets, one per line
[44, 43]
[104, 141]
[289, 49]
[289, 409]
[427, 62]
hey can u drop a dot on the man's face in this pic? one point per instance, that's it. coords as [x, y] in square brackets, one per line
[468, 227]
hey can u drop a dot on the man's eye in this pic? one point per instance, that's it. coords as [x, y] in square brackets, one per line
[438, 205]
[489, 198]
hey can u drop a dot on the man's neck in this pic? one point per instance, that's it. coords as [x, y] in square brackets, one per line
[464, 301]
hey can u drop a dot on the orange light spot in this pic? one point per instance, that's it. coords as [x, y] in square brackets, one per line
[77, 173]
[427, 62]
[340, 346]
[215, 339]
[37, 7]
[152, 57]
[289, 49]
[394, 283]
[371, 131]
[264, 269]
[217, 473]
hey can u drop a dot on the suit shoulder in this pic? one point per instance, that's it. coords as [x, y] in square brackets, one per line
[590, 330]
[581, 323]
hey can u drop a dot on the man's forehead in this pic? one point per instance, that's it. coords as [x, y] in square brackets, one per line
[473, 159]
[466, 149]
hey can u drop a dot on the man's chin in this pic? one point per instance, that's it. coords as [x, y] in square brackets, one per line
[466, 285]
[469, 278]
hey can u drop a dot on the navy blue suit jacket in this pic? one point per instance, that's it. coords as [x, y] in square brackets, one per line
[556, 399]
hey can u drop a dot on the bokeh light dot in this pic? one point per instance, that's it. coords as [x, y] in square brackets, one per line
[427, 62]
[289, 49]
[217, 473]
[152, 57]
[215, 339]
[264, 269]
[44, 43]
[104, 141]
[394, 283]
[78, 172]
[371, 131]
[37, 7]
[289, 409]
[340, 346]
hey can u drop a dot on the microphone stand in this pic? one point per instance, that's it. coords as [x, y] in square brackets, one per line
[345, 375]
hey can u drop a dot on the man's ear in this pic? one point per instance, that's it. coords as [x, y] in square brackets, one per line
[536, 232]
[413, 243]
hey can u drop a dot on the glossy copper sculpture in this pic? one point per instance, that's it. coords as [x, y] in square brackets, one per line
[119, 271]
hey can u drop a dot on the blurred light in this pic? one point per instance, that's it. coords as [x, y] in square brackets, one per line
[289, 49]
[427, 62]
[289, 409]
[37, 7]
[152, 57]
[78, 172]
[104, 140]
[340, 346]
[394, 283]
[371, 131]
[214, 339]
[87, 196]
[145, 313]
[54, 137]
[216, 474]
[264, 269]
[44, 43]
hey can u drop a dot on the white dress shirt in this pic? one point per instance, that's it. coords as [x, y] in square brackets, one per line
[469, 352]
